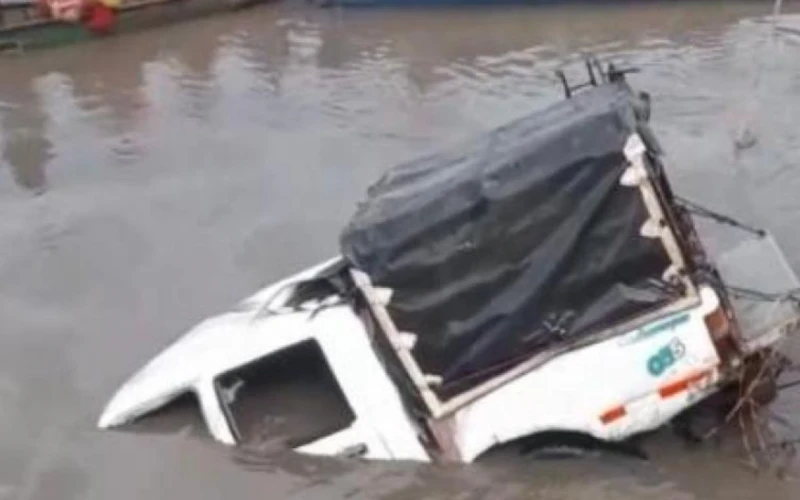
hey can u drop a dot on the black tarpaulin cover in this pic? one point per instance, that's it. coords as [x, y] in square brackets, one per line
[514, 242]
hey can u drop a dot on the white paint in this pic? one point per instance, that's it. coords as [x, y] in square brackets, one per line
[183, 365]
[569, 392]
[234, 339]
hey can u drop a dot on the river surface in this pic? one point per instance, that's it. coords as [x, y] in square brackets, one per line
[154, 179]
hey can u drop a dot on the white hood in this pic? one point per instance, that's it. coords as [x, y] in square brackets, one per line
[212, 347]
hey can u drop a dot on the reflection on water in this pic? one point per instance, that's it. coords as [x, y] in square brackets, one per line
[179, 169]
[362, 72]
[25, 148]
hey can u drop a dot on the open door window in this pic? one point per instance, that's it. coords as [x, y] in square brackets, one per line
[290, 397]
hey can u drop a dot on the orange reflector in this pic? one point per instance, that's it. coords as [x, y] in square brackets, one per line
[718, 324]
[682, 384]
[612, 414]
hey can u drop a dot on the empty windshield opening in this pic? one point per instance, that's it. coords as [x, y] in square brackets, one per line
[288, 398]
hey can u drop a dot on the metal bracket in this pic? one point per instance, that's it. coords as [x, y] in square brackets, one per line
[596, 76]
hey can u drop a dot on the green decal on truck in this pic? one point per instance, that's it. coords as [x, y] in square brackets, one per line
[648, 331]
[665, 357]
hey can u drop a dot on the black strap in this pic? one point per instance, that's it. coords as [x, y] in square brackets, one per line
[717, 217]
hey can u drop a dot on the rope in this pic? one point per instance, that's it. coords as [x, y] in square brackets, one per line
[788, 385]
[750, 293]
[738, 291]
[701, 211]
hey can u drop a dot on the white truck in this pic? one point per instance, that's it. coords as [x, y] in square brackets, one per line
[540, 279]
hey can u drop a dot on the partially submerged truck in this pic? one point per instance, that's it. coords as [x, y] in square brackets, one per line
[540, 278]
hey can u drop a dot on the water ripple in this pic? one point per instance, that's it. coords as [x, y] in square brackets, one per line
[179, 169]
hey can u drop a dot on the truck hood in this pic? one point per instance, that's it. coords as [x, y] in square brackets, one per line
[218, 344]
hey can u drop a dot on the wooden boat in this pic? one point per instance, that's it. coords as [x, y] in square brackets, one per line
[24, 27]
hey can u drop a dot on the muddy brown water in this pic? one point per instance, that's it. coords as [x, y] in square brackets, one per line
[152, 180]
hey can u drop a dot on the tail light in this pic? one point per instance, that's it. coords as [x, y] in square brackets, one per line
[718, 324]
[720, 328]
